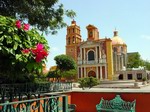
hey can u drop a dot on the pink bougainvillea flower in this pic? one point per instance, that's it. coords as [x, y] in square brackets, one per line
[34, 51]
[26, 51]
[39, 46]
[26, 27]
[39, 57]
[39, 52]
[18, 24]
[44, 53]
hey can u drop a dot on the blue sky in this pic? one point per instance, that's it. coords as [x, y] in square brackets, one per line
[130, 17]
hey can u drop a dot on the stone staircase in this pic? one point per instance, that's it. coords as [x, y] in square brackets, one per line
[119, 84]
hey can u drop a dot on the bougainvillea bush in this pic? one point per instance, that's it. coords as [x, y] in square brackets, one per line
[23, 51]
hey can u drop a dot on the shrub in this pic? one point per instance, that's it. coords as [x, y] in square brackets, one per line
[88, 82]
[23, 51]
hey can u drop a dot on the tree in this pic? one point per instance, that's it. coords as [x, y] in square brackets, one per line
[22, 51]
[65, 63]
[70, 74]
[146, 63]
[134, 60]
[46, 15]
[66, 66]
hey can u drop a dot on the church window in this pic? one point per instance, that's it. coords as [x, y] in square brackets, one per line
[69, 40]
[121, 49]
[73, 30]
[90, 55]
[73, 39]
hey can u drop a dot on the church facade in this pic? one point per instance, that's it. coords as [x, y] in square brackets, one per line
[97, 57]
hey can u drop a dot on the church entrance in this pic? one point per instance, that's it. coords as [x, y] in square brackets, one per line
[91, 74]
[121, 77]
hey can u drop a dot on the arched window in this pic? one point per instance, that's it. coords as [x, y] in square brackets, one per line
[90, 55]
[122, 49]
[73, 30]
[69, 40]
[73, 39]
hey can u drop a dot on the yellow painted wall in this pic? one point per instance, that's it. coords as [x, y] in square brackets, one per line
[110, 70]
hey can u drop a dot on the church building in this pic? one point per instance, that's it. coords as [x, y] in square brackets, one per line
[98, 57]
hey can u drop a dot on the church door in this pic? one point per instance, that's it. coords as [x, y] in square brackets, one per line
[91, 74]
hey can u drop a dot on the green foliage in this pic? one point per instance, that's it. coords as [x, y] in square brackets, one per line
[54, 74]
[146, 63]
[16, 66]
[66, 66]
[134, 60]
[88, 82]
[144, 79]
[70, 74]
[46, 15]
[65, 63]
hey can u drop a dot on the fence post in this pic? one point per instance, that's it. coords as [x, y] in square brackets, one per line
[65, 103]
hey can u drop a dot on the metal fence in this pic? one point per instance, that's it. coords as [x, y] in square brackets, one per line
[29, 90]
[46, 104]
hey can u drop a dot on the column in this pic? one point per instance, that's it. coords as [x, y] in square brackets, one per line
[101, 73]
[81, 72]
[122, 64]
[84, 55]
[85, 72]
[78, 72]
[96, 54]
[81, 55]
[116, 61]
[97, 72]
[99, 54]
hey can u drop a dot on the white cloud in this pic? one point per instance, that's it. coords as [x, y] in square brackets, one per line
[147, 37]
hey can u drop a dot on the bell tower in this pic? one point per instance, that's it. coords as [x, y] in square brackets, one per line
[93, 33]
[73, 38]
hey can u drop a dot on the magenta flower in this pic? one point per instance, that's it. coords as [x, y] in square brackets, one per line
[18, 24]
[26, 27]
[39, 52]
[44, 53]
[39, 46]
[39, 57]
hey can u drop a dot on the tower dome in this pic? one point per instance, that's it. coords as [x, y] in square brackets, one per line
[116, 40]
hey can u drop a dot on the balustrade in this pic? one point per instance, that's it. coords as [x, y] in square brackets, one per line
[80, 62]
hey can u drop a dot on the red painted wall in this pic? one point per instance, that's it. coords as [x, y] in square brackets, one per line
[86, 101]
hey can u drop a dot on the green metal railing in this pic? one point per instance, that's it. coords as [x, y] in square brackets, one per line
[46, 104]
[30, 90]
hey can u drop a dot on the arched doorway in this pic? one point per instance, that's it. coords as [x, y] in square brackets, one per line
[121, 77]
[91, 74]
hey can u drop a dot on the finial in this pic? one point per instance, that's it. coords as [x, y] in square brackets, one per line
[73, 22]
[115, 32]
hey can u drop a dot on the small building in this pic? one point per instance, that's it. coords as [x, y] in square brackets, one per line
[133, 74]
